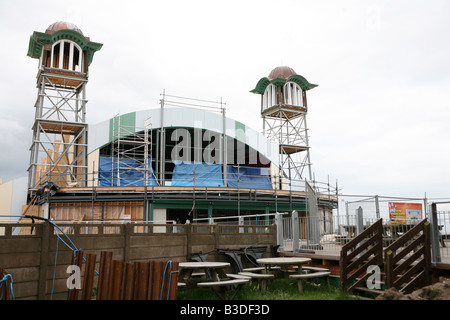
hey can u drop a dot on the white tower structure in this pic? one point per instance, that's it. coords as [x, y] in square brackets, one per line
[59, 146]
[283, 110]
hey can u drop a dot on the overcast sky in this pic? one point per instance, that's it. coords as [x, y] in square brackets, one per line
[378, 121]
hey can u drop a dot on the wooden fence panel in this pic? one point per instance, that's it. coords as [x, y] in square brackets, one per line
[89, 274]
[364, 250]
[141, 280]
[408, 260]
[77, 260]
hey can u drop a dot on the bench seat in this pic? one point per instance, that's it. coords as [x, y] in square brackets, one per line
[237, 276]
[257, 275]
[221, 287]
[253, 269]
[222, 283]
[263, 277]
[301, 277]
[315, 269]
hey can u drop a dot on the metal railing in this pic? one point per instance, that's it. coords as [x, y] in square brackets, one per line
[298, 232]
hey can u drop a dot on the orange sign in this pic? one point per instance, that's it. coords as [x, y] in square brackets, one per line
[400, 212]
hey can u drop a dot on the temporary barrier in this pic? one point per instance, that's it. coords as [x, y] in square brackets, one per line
[248, 177]
[197, 174]
[125, 172]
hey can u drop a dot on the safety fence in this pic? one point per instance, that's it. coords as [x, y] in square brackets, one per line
[328, 235]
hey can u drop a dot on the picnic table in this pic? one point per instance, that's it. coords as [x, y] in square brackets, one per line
[283, 263]
[288, 264]
[224, 286]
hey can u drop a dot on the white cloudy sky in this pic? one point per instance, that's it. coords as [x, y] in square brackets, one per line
[379, 119]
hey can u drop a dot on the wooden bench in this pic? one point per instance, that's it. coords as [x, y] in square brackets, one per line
[253, 269]
[237, 276]
[256, 269]
[315, 269]
[221, 287]
[313, 275]
[263, 277]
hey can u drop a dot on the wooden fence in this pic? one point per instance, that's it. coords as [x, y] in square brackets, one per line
[408, 260]
[38, 259]
[117, 280]
[365, 250]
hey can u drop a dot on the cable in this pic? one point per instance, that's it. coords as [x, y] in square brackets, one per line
[164, 279]
[4, 281]
[72, 246]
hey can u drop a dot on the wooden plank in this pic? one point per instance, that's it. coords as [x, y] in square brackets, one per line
[408, 249]
[116, 280]
[89, 271]
[141, 280]
[150, 280]
[157, 279]
[77, 259]
[103, 279]
[174, 281]
[128, 281]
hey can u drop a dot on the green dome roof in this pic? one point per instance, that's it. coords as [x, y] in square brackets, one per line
[279, 76]
[59, 31]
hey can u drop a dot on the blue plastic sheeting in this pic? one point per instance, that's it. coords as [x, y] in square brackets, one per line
[206, 175]
[131, 173]
[249, 177]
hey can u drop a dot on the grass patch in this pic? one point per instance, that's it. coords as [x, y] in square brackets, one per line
[278, 289]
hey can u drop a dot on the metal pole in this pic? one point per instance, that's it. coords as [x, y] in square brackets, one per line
[377, 207]
[162, 143]
[224, 147]
[295, 231]
[359, 220]
[279, 224]
[435, 250]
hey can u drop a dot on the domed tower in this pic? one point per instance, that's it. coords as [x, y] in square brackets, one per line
[59, 146]
[283, 109]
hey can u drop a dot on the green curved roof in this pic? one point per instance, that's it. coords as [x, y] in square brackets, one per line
[298, 79]
[38, 39]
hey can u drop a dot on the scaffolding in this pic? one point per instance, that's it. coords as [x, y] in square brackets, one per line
[59, 145]
[192, 103]
[286, 124]
[131, 153]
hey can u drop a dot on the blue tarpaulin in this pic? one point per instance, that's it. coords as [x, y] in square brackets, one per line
[249, 177]
[131, 173]
[206, 175]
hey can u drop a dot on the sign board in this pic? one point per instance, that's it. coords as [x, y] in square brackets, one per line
[400, 212]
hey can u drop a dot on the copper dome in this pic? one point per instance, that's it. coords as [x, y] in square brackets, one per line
[281, 72]
[61, 25]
